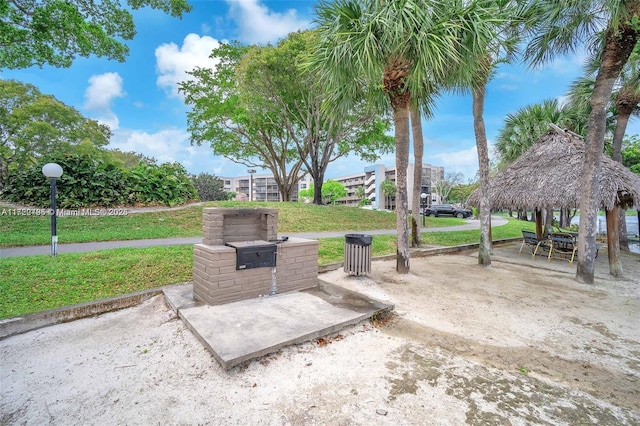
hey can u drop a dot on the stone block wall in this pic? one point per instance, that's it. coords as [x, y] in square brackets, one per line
[216, 280]
[220, 225]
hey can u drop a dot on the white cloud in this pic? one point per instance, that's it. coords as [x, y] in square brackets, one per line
[166, 146]
[464, 161]
[172, 62]
[102, 90]
[257, 24]
[570, 64]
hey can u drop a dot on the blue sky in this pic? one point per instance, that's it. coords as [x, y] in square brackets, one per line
[138, 99]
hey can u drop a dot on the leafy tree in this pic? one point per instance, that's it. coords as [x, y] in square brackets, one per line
[445, 185]
[279, 74]
[610, 29]
[391, 52]
[261, 109]
[53, 32]
[238, 124]
[461, 192]
[332, 190]
[129, 159]
[631, 153]
[209, 187]
[360, 193]
[33, 125]
[364, 202]
[306, 195]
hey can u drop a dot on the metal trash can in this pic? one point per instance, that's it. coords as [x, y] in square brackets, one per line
[357, 254]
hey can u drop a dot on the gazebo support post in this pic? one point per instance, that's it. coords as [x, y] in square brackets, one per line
[613, 242]
[490, 234]
[538, 214]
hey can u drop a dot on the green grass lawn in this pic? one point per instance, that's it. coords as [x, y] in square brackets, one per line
[292, 217]
[35, 283]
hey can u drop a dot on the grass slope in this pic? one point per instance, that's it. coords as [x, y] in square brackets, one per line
[35, 283]
[292, 217]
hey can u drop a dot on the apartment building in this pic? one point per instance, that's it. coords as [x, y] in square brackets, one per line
[373, 176]
[261, 187]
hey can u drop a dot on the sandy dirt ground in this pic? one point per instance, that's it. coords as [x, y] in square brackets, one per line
[514, 344]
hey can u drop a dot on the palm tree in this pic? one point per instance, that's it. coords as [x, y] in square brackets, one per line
[627, 100]
[388, 189]
[418, 152]
[359, 192]
[560, 28]
[525, 127]
[395, 51]
[503, 37]
[624, 103]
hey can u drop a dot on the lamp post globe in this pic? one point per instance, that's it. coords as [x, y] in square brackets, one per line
[423, 199]
[53, 171]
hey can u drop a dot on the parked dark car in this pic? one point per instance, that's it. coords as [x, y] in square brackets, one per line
[447, 210]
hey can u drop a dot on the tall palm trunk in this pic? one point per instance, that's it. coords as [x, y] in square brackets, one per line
[393, 81]
[478, 93]
[624, 113]
[418, 150]
[618, 46]
[401, 123]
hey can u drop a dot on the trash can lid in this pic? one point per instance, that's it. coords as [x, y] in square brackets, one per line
[358, 239]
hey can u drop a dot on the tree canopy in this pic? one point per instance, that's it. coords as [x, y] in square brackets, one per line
[55, 32]
[238, 123]
[33, 125]
[277, 75]
[260, 108]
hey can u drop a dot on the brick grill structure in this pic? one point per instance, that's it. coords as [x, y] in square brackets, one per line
[215, 278]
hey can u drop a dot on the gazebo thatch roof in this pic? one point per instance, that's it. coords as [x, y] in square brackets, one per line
[548, 175]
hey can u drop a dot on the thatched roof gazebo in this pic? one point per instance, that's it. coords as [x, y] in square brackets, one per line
[549, 175]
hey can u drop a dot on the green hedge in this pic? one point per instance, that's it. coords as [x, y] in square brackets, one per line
[91, 181]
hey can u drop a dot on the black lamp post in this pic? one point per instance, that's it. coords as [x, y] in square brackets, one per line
[423, 199]
[53, 171]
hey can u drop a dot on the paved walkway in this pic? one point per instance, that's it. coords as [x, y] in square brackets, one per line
[105, 245]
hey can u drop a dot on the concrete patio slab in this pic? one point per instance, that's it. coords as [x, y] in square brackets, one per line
[240, 331]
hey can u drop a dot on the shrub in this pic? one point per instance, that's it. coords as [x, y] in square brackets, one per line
[167, 183]
[85, 182]
[90, 181]
[209, 187]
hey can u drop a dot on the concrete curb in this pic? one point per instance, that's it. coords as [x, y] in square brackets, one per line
[424, 252]
[24, 323]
